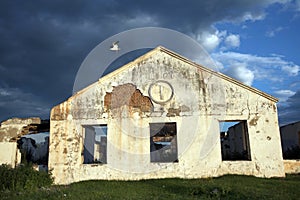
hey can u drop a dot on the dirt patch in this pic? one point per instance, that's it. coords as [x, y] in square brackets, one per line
[172, 112]
[253, 121]
[60, 112]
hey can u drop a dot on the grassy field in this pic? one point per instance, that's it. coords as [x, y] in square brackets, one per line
[226, 187]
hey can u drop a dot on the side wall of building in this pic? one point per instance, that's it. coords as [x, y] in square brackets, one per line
[200, 100]
[290, 135]
[9, 154]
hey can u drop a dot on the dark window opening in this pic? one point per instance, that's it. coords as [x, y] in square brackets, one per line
[95, 144]
[163, 142]
[234, 140]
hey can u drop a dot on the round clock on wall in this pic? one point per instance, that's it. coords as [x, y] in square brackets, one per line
[161, 92]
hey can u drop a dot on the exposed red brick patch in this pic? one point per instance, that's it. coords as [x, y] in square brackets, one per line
[129, 95]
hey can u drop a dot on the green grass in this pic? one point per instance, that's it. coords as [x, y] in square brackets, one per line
[226, 187]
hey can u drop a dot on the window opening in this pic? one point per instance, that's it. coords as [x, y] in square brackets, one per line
[95, 144]
[234, 140]
[163, 142]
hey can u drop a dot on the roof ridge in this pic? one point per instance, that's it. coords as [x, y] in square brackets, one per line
[219, 74]
[184, 59]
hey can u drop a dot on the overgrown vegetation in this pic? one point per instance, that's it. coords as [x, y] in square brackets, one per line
[226, 187]
[23, 178]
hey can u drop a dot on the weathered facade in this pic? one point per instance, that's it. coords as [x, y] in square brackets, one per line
[9, 154]
[10, 131]
[158, 117]
[12, 143]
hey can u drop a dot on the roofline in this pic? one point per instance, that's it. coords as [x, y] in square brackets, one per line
[119, 70]
[290, 124]
[218, 74]
[184, 59]
[128, 65]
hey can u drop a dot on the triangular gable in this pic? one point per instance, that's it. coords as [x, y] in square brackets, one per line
[182, 58]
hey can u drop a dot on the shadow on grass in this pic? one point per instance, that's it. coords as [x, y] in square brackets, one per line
[226, 187]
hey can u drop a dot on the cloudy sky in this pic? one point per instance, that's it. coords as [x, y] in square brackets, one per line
[43, 44]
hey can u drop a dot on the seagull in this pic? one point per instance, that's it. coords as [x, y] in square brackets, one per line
[115, 46]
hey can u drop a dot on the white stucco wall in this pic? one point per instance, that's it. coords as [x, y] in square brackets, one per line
[9, 154]
[201, 99]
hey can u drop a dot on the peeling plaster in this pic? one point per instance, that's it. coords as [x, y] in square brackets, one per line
[201, 99]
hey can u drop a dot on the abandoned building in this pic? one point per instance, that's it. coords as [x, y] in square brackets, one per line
[290, 140]
[290, 135]
[16, 148]
[159, 116]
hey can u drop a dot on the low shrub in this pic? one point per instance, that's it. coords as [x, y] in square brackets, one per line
[23, 177]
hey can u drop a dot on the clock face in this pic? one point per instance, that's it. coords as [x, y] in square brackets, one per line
[161, 92]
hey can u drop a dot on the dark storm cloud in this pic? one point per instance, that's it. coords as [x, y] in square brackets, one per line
[44, 42]
[289, 112]
[25, 104]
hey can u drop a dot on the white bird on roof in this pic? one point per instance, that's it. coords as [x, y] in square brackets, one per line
[115, 46]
